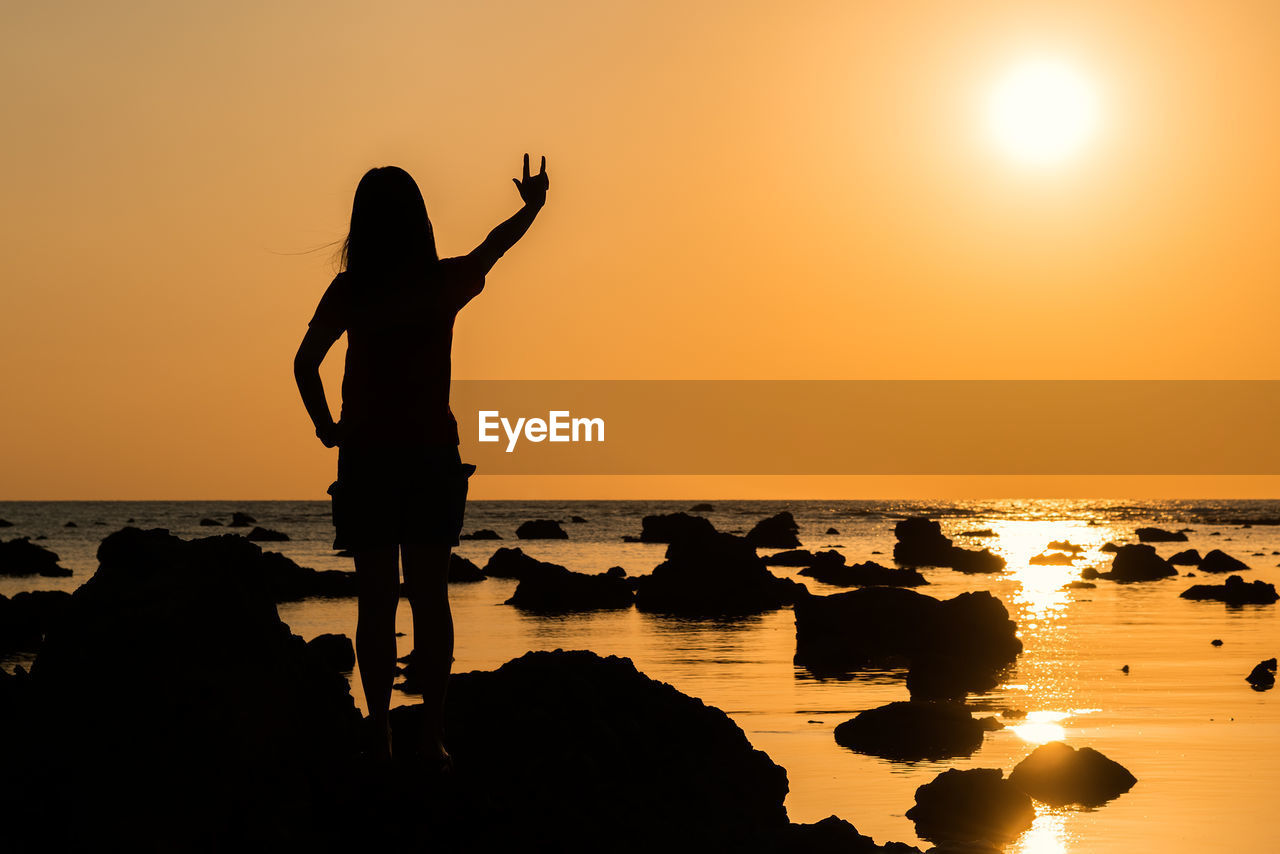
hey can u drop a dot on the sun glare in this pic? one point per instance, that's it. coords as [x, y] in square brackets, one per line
[1042, 112]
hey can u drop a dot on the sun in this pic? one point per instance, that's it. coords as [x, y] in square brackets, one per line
[1042, 112]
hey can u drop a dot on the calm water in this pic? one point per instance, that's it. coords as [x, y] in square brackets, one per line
[1205, 748]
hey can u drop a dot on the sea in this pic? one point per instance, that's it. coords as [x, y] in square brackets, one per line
[1204, 746]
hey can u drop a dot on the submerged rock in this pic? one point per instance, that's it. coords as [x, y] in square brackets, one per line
[267, 535]
[716, 575]
[863, 575]
[1138, 562]
[1236, 591]
[976, 803]
[482, 534]
[463, 571]
[1190, 557]
[915, 730]
[541, 529]
[776, 532]
[1058, 774]
[20, 556]
[1159, 535]
[921, 543]
[550, 587]
[1219, 561]
[669, 527]
[1263, 675]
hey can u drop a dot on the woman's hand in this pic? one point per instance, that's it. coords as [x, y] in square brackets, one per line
[533, 190]
[330, 434]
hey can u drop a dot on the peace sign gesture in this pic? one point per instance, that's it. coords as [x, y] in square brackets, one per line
[533, 189]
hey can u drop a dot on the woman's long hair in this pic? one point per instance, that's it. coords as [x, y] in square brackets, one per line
[390, 231]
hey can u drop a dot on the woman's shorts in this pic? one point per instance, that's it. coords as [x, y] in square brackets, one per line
[392, 495]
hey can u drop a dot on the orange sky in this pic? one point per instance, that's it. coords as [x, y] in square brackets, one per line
[739, 190]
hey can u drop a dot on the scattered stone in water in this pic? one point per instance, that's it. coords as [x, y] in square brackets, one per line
[335, 651]
[1058, 774]
[1190, 557]
[1263, 676]
[1134, 563]
[1219, 561]
[482, 534]
[985, 532]
[776, 532]
[1053, 559]
[20, 556]
[210, 523]
[1063, 546]
[702, 508]
[242, 520]
[463, 571]
[1109, 547]
[669, 527]
[865, 574]
[832, 532]
[1159, 535]
[915, 730]
[1125, 669]
[1236, 591]
[1216, 642]
[541, 529]
[267, 535]
[71, 525]
[548, 587]
[577, 520]
[966, 805]
[921, 543]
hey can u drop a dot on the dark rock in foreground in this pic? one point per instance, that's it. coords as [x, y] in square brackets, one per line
[1190, 557]
[541, 529]
[970, 636]
[287, 581]
[921, 543]
[482, 534]
[715, 575]
[463, 571]
[670, 527]
[267, 535]
[25, 618]
[1138, 562]
[242, 520]
[973, 804]
[1263, 675]
[776, 532]
[832, 835]
[803, 557]
[20, 556]
[1236, 591]
[915, 730]
[865, 574]
[334, 650]
[1159, 535]
[512, 563]
[1058, 774]
[550, 587]
[1219, 561]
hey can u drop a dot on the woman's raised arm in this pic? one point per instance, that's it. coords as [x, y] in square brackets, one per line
[533, 190]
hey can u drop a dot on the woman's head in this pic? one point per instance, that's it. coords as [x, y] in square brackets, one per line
[389, 225]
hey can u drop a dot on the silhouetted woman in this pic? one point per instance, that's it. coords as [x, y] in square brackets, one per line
[401, 488]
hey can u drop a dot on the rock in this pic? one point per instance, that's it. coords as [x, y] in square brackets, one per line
[463, 571]
[1081, 585]
[714, 575]
[27, 616]
[1109, 547]
[1216, 642]
[287, 581]
[1125, 670]
[1219, 561]
[976, 803]
[242, 520]
[1090, 572]
[5, 523]
[227, 713]
[667, 528]
[970, 634]
[482, 534]
[210, 523]
[1052, 559]
[921, 543]
[335, 650]
[914, 730]
[834, 835]
[267, 535]
[1159, 535]
[830, 533]
[577, 520]
[985, 532]
[511, 563]
[863, 575]
[20, 556]
[1190, 557]
[1138, 563]
[1063, 546]
[1263, 675]
[776, 532]
[1235, 592]
[803, 557]
[541, 529]
[550, 587]
[702, 508]
[1058, 774]
[71, 525]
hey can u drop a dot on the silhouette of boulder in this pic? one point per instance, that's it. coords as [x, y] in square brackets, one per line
[863, 575]
[71, 525]
[832, 532]
[335, 650]
[5, 523]
[26, 617]
[975, 803]
[802, 557]
[1236, 591]
[550, 587]
[20, 556]
[1219, 561]
[267, 535]
[1110, 548]
[210, 523]
[1190, 557]
[230, 720]
[577, 520]
[288, 582]
[242, 520]
[776, 532]
[669, 527]
[1053, 559]
[482, 534]
[834, 835]
[541, 529]
[1138, 562]
[915, 730]
[1160, 535]
[512, 563]
[1058, 774]
[1263, 675]
[1064, 546]
[921, 543]
[714, 575]
[970, 635]
[463, 571]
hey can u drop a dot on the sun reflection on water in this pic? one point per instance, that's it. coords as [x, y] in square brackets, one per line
[1047, 835]
[1041, 727]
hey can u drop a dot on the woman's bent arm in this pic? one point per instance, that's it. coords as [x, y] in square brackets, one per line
[306, 372]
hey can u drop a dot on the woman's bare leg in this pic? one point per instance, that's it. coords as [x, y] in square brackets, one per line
[378, 575]
[426, 580]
